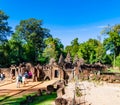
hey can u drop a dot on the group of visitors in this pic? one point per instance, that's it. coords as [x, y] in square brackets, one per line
[20, 74]
[22, 78]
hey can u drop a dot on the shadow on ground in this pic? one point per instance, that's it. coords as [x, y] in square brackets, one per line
[37, 100]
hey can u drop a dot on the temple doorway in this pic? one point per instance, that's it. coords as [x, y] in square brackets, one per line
[56, 74]
[13, 72]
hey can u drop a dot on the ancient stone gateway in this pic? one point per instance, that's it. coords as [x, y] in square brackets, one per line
[53, 72]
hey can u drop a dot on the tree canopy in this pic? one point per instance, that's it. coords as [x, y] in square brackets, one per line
[5, 30]
[53, 49]
[34, 34]
[31, 42]
[112, 42]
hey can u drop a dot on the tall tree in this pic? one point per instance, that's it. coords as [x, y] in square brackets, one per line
[5, 30]
[89, 51]
[73, 48]
[53, 49]
[5, 54]
[16, 46]
[112, 42]
[32, 32]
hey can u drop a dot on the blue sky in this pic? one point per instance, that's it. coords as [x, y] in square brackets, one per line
[66, 19]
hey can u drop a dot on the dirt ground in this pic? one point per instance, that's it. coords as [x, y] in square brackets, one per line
[96, 94]
[9, 89]
[102, 94]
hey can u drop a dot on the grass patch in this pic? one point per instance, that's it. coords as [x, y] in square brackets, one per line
[12, 101]
[45, 99]
[112, 70]
[2, 97]
[40, 100]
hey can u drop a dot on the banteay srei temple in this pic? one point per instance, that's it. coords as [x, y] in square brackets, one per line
[64, 69]
[62, 77]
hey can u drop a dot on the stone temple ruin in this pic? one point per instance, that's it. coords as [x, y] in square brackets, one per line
[65, 69]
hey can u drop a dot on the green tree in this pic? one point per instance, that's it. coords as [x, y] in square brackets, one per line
[32, 32]
[4, 54]
[29, 52]
[73, 48]
[112, 42]
[117, 61]
[68, 48]
[53, 49]
[16, 45]
[5, 30]
[89, 51]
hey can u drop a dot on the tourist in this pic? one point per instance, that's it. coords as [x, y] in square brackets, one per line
[18, 80]
[2, 76]
[24, 78]
[26, 75]
[30, 74]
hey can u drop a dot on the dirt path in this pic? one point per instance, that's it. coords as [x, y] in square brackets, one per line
[10, 89]
[105, 94]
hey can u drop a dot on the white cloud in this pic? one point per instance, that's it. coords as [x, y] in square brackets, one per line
[101, 26]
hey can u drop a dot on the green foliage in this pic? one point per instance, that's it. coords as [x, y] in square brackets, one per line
[5, 30]
[41, 100]
[68, 48]
[91, 51]
[29, 52]
[112, 42]
[4, 54]
[45, 99]
[73, 48]
[107, 59]
[16, 47]
[33, 33]
[117, 61]
[32, 43]
[53, 48]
